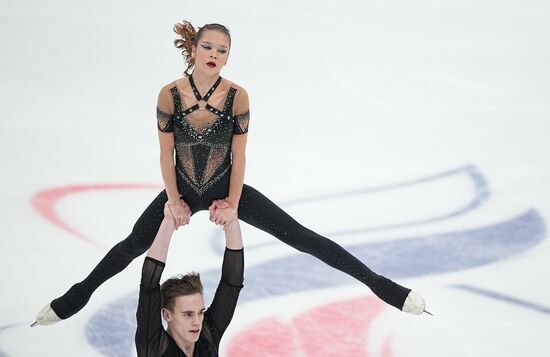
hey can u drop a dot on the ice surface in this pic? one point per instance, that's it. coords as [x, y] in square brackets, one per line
[413, 133]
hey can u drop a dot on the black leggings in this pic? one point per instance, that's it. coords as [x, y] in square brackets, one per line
[254, 209]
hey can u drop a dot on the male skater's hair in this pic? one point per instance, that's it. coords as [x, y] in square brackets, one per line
[179, 285]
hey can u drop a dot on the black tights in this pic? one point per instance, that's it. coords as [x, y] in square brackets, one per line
[254, 209]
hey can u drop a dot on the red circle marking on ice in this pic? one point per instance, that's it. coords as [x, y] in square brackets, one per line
[44, 203]
[336, 330]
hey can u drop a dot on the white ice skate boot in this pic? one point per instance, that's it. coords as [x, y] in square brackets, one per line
[415, 304]
[46, 316]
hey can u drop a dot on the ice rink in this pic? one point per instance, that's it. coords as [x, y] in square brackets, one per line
[415, 134]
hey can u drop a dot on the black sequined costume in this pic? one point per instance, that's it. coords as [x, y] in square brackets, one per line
[203, 164]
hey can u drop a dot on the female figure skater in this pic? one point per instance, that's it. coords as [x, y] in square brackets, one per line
[203, 118]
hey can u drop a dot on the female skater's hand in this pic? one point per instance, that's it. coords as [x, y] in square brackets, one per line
[218, 204]
[222, 216]
[221, 212]
[179, 211]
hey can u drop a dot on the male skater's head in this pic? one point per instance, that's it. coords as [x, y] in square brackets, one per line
[183, 306]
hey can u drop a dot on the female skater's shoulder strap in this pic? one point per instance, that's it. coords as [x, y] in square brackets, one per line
[166, 104]
[241, 112]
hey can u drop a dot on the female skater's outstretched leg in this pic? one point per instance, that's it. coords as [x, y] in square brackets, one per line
[258, 211]
[115, 261]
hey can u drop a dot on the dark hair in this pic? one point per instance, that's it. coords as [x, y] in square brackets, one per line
[189, 38]
[187, 284]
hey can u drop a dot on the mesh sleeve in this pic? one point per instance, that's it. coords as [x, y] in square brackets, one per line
[224, 302]
[151, 337]
[165, 111]
[242, 112]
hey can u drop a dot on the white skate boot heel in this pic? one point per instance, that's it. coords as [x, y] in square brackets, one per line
[46, 316]
[415, 304]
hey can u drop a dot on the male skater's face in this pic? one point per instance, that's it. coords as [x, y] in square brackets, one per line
[186, 319]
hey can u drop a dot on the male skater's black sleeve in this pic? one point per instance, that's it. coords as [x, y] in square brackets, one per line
[151, 339]
[220, 312]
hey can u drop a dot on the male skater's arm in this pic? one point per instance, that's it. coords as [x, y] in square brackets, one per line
[150, 335]
[223, 305]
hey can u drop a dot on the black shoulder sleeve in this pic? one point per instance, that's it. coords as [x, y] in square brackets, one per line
[151, 339]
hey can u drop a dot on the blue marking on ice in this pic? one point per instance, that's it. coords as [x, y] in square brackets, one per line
[481, 194]
[7, 327]
[505, 298]
[398, 259]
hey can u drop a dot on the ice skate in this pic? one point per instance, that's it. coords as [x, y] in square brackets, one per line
[415, 304]
[46, 316]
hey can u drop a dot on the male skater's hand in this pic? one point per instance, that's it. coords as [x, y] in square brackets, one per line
[179, 211]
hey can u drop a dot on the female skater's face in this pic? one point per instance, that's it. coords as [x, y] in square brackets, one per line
[211, 52]
[186, 318]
